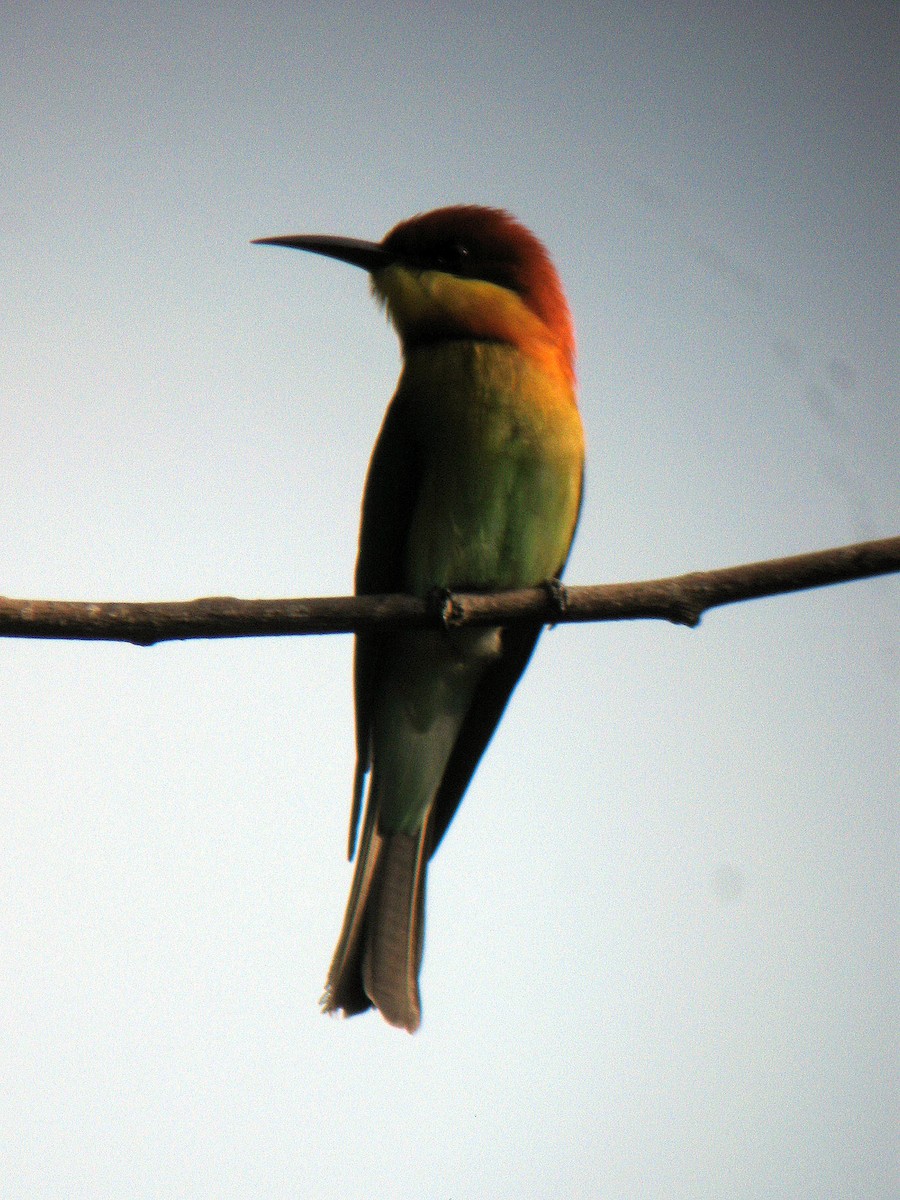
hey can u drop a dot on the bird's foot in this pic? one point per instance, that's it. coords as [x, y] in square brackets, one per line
[558, 595]
[444, 605]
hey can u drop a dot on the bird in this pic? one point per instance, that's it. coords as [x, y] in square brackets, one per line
[475, 484]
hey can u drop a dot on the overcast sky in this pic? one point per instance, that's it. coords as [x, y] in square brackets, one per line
[661, 939]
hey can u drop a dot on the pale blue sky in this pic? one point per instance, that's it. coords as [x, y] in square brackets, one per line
[661, 944]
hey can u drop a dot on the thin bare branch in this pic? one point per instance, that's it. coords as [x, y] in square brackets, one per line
[681, 599]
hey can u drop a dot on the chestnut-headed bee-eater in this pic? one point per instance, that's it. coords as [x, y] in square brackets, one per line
[474, 485]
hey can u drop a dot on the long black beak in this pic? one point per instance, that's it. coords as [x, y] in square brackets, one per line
[371, 256]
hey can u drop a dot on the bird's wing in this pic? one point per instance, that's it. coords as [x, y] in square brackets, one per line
[481, 720]
[388, 501]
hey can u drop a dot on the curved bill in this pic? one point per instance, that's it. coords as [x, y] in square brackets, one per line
[371, 256]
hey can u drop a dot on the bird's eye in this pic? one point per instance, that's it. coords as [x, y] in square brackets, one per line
[453, 256]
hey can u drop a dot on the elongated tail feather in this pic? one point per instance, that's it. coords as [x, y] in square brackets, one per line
[379, 951]
[344, 987]
[395, 931]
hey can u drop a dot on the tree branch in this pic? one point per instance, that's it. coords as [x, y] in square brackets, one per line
[681, 599]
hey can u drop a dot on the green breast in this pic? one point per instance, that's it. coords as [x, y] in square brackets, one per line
[500, 453]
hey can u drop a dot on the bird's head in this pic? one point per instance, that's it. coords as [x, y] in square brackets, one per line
[461, 272]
